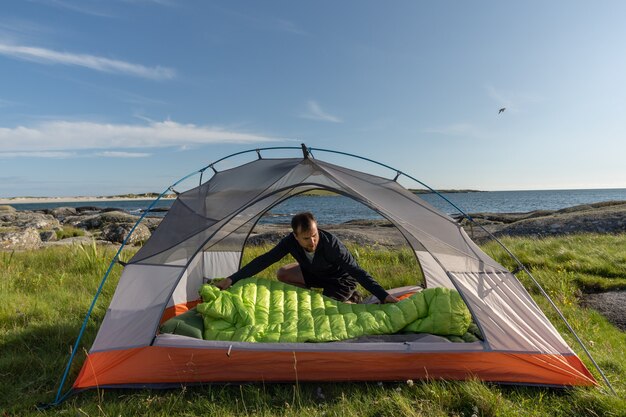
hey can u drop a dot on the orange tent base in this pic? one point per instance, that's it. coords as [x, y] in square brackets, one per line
[168, 365]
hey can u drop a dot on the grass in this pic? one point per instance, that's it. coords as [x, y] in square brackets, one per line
[45, 294]
[69, 231]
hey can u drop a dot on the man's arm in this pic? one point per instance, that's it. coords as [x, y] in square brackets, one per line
[255, 266]
[347, 262]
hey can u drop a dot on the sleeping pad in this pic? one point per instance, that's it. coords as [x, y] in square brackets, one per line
[260, 310]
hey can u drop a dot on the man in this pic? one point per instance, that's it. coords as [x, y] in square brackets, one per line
[322, 262]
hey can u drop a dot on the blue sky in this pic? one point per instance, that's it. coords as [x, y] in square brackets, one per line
[118, 96]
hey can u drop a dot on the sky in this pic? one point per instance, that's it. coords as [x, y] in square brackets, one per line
[128, 96]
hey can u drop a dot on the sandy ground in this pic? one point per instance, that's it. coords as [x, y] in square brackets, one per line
[34, 200]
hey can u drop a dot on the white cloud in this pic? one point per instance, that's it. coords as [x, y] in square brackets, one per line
[49, 56]
[58, 155]
[315, 112]
[118, 154]
[48, 137]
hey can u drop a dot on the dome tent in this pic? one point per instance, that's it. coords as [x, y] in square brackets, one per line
[203, 236]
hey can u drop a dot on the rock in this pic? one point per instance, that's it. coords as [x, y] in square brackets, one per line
[580, 219]
[83, 209]
[611, 304]
[27, 238]
[605, 217]
[266, 238]
[28, 219]
[152, 222]
[48, 236]
[114, 225]
[157, 210]
[117, 233]
[61, 213]
[77, 240]
[358, 232]
[99, 220]
[109, 209]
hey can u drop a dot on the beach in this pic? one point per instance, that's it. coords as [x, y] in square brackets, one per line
[86, 199]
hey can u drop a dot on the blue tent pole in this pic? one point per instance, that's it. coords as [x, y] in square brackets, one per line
[58, 399]
[303, 147]
[511, 254]
[398, 174]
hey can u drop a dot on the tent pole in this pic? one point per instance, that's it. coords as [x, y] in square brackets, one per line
[520, 264]
[554, 306]
[58, 398]
[306, 152]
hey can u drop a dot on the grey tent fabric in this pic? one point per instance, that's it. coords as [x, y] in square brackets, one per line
[204, 233]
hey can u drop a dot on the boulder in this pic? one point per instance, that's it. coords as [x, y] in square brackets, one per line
[28, 219]
[61, 213]
[117, 233]
[48, 236]
[152, 222]
[581, 219]
[27, 238]
[5, 208]
[98, 221]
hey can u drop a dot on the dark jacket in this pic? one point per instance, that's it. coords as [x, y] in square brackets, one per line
[333, 266]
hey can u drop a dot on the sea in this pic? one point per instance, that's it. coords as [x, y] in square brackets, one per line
[338, 209]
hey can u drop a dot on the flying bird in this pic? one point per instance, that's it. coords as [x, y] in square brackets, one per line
[501, 110]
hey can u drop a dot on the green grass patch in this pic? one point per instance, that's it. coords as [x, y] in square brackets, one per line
[69, 231]
[44, 295]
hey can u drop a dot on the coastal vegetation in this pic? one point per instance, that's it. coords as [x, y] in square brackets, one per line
[69, 231]
[44, 295]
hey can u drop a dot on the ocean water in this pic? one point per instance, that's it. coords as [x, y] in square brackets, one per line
[338, 209]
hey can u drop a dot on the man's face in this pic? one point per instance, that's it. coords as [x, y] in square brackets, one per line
[309, 239]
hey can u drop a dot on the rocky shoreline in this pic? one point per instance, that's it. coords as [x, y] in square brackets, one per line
[22, 230]
[26, 230]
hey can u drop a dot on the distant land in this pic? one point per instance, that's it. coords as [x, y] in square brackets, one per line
[413, 190]
[421, 191]
[120, 197]
[152, 196]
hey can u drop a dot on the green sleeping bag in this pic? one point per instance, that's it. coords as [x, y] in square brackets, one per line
[189, 324]
[260, 310]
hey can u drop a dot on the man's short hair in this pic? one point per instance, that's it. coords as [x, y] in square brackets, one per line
[302, 222]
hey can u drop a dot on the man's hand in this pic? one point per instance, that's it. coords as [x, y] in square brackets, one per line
[391, 299]
[224, 284]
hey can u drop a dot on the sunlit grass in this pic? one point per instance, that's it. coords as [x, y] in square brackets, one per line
[69, 231]
[44, 296]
